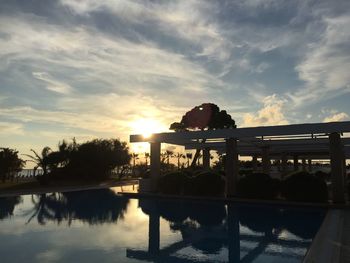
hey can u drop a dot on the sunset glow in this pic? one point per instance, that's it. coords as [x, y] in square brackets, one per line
[147, 127]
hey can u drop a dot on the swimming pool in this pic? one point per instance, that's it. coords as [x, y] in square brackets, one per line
[100, 226]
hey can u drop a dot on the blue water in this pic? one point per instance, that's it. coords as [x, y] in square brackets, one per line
[100, 226]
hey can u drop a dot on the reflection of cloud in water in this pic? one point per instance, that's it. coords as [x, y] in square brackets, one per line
[70, 230]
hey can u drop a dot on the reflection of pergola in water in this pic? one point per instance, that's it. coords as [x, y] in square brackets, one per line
[231, 234]
[299, 141]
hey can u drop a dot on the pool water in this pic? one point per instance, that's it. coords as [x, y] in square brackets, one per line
[100, 226]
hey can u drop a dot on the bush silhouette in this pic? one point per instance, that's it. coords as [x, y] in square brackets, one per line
[10, 164]
[304, 187]
[258, 185]
[173, 183]
[322, 175]
[208, 184]
[192, 183]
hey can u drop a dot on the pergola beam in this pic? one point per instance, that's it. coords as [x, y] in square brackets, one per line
[298, 141]
[280, 130]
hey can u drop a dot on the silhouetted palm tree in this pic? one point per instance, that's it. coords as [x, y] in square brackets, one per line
[41, 161]
[178, 157]
[134, 157]
[168, 154]
[147, 156]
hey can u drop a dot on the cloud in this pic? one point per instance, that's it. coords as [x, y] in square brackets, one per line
[11, 128]
[341, 116]
[53, 84]
[272, 113]
[97, 66]
[325, 66]
[186, 20]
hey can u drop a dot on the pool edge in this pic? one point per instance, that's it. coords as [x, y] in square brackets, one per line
[327, 244]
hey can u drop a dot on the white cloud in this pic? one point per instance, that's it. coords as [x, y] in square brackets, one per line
[187, 20]
[325, 67]
[53, 84]
[341, 116]
[11, 128]
[272, 113]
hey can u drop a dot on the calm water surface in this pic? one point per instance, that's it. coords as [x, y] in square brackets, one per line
[100, 226]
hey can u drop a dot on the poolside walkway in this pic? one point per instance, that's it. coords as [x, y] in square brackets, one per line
[50, 189]
[345, 247]
[332, 242]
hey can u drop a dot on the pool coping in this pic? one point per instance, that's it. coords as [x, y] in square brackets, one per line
[327, 245]
[237, 199]
[67, 188]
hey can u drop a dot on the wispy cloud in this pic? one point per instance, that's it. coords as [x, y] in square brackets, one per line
[11, 128]
[92, 67]
[325, 67]
[53, 84]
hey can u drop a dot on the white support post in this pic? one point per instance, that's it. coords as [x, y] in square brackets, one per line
[266, 163]
[155, 164]
[284, 164]
[206, 158]
[296, 163]
[231, 167]
[255, 163]
[336, 156]
[310, 165]
[303, 164]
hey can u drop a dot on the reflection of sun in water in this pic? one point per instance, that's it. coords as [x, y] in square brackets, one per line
[146, 127]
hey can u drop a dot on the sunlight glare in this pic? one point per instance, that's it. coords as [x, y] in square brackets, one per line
[146, 127]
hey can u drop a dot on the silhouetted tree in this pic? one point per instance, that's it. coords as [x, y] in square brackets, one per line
[202, 117]
[41, 161]
[188, 157]
[98, 158]
[10, 163]
[147, 156]
[179, 156]
[134, 157]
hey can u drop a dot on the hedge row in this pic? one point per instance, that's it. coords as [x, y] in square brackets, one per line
[299, 186]
[187, 183]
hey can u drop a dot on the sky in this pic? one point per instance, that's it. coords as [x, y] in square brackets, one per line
[108, 69]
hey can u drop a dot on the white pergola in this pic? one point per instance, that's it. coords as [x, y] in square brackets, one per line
[282, 142]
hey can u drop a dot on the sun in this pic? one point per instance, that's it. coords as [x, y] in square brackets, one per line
[147, 127]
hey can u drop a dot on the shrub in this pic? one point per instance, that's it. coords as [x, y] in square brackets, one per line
[173, 183]
[10, 163]
[258, 185]
[96, 159]
[302, 186]
[322, 175]
[207, 183]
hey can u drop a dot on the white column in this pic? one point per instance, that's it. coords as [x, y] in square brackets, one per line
[310, 165]
[296, 163]
[284, 161]
[155, 164]
[255, 163]
[206, 159]
[304, 164]
[266, 163]
[336, 156]
[231, 166]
